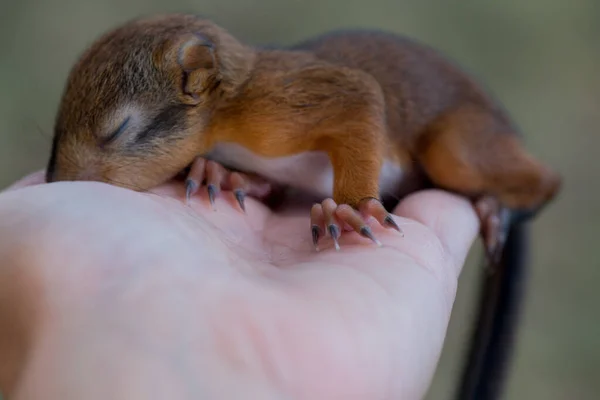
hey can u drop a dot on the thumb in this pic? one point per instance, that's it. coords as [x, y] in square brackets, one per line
[452, 219]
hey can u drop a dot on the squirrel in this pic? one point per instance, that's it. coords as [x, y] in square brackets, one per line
[352, 117]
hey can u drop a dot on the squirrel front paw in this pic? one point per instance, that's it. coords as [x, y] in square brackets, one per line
[218, 178]
[330, 217]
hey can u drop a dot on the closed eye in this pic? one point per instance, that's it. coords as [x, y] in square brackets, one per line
[164, 124]
[113, 136]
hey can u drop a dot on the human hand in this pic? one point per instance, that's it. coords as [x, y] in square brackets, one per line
[109, 293]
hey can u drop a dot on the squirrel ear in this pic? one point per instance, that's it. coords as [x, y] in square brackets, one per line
[196, 53]
[196, 57]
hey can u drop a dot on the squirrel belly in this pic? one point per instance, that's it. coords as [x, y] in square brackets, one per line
[310, 172]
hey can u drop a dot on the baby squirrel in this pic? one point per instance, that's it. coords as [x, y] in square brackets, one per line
[352, 117]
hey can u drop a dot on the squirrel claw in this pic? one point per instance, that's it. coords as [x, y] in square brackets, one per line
[334, 231]
[389, 222]
[317, 232]
[212, 191]
[240, 195]
[191, 187]
[366, 232]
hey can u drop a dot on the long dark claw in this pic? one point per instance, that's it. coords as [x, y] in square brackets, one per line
[212, 191]
[334, 231]
[316, 235]
[366, 232]
[240, 195]
[190, 189]
[391, 223]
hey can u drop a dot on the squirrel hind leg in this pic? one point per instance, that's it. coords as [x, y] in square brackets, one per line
[471, 152]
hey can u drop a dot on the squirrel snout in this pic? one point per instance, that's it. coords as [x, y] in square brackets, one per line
[74, 164]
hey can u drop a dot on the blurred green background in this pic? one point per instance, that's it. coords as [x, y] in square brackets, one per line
[540, 58]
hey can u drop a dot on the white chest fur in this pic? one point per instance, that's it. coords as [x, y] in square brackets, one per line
[311, 171]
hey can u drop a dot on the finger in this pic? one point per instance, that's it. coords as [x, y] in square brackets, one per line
[452, 218]
[35, 178]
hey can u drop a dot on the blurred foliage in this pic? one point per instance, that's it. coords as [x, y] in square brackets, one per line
[540, 58]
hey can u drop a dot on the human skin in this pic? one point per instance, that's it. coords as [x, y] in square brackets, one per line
[106, 293]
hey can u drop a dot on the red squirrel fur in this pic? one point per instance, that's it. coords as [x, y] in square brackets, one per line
[149, 97]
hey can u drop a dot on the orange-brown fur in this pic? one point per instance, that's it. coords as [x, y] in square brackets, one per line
[361, 97]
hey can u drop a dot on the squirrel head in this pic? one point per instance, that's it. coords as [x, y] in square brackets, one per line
[137, 101]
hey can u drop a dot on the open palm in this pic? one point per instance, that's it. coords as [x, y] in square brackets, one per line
[139, 294]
